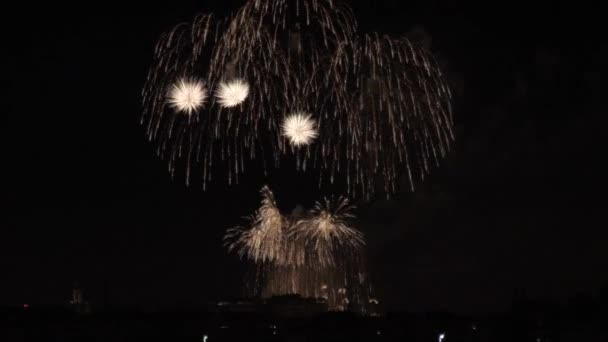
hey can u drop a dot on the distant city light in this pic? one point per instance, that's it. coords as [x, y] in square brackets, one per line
[441, 337]
[205, 338]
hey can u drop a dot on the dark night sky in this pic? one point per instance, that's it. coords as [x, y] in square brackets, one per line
[517, 205]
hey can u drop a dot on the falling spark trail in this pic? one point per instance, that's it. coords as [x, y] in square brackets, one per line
[302, 252]
[379, 105]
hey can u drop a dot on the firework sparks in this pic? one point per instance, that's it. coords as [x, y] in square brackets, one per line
[382, 105]
[187, 96]
[233, 93]
[263, 241]
[300, 129]
[327, 231]
[311, 255]
[382, 110]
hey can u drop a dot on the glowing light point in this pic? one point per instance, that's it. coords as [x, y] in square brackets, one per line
[233, 93]
[300, 129]
[187, 96]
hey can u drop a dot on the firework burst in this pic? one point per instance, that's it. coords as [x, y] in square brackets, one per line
[381, 104]
[326, 232]
[187, 96]
[300, 129]
[263, 241]
[233, 93]
[315, 255]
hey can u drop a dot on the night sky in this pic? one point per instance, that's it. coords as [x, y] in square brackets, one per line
[518, 205]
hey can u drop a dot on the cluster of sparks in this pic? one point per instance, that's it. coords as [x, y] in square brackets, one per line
[315, 254]
[282, 81]
[187, 96]
[286, 83]
[300, 129]
[233, 93]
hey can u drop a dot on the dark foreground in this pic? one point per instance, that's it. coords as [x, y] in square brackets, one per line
[40, 324]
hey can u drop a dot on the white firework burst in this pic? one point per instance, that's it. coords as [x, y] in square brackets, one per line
[263, 240]
[327, 231]
[233, 93]
[187, 96]
[300, 128]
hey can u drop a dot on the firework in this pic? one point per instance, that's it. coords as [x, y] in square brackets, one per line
[300, 129]
[316, 255]
[326, 232]
[381, 104]
[263, 241]
[233, 93]
[187, 96]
